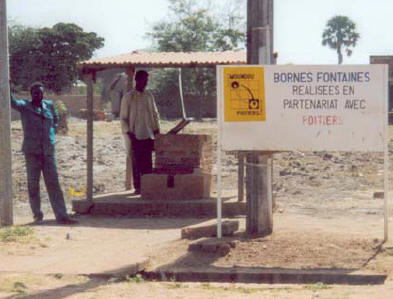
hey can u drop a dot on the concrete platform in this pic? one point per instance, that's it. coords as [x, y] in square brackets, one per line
[127, 204]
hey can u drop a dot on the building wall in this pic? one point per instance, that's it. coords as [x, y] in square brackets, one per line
[73, 103]
[168, 108]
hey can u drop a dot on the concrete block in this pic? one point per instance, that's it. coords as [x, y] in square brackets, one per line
[216, 246]
[175, 187]
[199, 231]
[82, 206]
[184, 151]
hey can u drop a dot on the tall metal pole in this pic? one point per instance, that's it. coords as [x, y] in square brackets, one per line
[259, 165]
[6, 215]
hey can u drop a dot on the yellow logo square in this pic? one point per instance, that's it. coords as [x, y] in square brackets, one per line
[244, 94]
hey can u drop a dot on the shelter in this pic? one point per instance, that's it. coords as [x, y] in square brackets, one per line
[146, 60]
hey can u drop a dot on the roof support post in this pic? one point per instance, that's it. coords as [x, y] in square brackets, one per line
[89, 79]
[130, 71]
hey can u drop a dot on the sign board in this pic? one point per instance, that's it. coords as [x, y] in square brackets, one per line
[305, 108]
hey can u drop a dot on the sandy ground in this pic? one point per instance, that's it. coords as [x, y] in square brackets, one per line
[311, 183]
[327, 217]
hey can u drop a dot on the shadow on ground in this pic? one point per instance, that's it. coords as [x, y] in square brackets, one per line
[124, 222]
[207, 266]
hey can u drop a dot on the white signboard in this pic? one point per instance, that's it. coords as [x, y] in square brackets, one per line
[305, 108]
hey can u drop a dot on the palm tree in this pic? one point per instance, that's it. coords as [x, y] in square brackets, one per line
[340, 33]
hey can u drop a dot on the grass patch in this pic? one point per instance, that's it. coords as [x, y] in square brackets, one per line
[388, 251]
[316, 286]
[176, 285]
[58, 275]
[15, 285]
[16, 234]
[244, 289]
[19, 287]
[23, 284]
[138, 278]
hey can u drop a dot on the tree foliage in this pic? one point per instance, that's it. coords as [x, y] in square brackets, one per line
[49, 54]
[195, 26]
[340, 34]
[192, 27]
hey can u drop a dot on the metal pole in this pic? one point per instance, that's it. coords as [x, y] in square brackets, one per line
[386, 163]
[219, 165]
[183, 108]
[6, 211]
[219, 188]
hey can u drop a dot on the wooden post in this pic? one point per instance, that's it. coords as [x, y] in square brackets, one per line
[88, 78]
[240, 176]
[130, 84]
[258, 165]
[259, 16]
[127, 183]
[6, 208]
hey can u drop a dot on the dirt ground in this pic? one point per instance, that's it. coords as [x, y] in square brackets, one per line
[327, 218]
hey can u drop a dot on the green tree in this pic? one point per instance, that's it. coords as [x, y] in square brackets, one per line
[49, 55]
[195, 26]
[340, 34]
[192, 27]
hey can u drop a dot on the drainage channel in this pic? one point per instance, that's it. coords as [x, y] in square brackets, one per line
[274, 277]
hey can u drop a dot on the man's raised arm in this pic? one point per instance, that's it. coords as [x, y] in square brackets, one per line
[17, 104]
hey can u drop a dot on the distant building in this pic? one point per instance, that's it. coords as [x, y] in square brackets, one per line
[386, 59]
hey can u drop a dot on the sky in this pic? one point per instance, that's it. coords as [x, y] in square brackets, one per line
[298, 24]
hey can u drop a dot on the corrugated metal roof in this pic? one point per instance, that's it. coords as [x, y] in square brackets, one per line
[381, 59]
[166, 59]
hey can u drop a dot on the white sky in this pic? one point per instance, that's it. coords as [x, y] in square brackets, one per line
[297, 35]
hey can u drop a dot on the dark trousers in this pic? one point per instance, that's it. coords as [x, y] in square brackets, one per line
[142, 159]
[35, 164]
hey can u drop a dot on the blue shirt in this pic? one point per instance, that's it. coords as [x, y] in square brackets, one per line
[39, 126]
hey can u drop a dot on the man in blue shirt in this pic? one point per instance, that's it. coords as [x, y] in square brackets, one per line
[39, 122]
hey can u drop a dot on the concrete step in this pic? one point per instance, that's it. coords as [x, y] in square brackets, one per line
[116, 204]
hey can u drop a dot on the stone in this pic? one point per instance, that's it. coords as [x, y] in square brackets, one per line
[220, 247]
[198, 231]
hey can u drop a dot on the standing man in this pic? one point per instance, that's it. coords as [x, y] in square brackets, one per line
[140, 122]
[118, 88]
[39, 121]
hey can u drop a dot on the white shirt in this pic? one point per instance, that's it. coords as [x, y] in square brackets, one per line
[139, 114]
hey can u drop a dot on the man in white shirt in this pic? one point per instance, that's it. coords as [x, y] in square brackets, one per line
[140, 122]
[118, 88]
